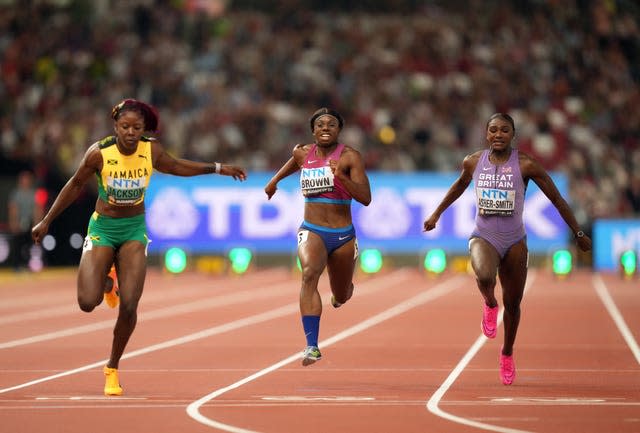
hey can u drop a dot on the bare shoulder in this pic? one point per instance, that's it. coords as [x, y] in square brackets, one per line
[475, 156]
[300, 152]
[156, 148]
[350, 152]
[93, 156]
[529, 166]
[471, 160]
[301, 148]
[524, 157]
[349, 149]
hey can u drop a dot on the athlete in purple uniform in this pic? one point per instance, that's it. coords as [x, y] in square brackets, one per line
[331, 174]
[498, 244]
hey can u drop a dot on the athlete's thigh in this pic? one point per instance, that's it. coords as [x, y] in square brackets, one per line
[132, 270]
[484, 258]
[311, 251]
[513, 270]
[341, 265]
[93, 268]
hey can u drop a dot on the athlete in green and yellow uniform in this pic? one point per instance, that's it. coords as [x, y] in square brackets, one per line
[123, 165]
[122, 181]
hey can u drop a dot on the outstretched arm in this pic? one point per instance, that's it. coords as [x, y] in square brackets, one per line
[165, 163]
[531, 169]
[289, 167]
[455, 191]
[91, 162]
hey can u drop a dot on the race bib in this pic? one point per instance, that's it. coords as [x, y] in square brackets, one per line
[316, 180]
[495, 202]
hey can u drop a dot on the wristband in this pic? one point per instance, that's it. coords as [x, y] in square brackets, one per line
[217, 168]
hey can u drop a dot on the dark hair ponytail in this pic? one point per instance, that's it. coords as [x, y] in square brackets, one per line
[147, 111]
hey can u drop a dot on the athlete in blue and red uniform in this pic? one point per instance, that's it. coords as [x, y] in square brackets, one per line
[331, 175]
[498, 244]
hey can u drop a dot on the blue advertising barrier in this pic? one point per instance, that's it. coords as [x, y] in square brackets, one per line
[212, 214]
[610, 239]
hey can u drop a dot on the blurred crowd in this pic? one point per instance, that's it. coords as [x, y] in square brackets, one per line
[416, 87]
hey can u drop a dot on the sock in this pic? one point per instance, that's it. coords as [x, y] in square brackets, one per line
[311, 326]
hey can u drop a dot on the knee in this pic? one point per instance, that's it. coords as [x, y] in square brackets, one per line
[310, 276]
[512, 305]
[486, 280]
[86, 305]
[512, 309]
[128, 310]
[344, 296]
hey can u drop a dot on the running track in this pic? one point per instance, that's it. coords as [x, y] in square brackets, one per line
[216, 353]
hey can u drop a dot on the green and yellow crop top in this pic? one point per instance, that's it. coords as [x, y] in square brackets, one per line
[124, 178]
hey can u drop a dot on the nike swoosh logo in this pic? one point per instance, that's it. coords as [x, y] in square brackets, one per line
[486, 168]
[341, 238]
[311, 162]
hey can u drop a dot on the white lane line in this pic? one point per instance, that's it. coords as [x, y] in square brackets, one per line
[618, 319]
[166, 296]
[12, 300]
[63, 310]
[174, 310]
[230, 326]
[437, 291]
[434, 401]
[87, 397]
[102, 405]
[588, 371]
[305, 398]
[174, 294]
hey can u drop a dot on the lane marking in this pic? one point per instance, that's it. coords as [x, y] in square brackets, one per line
[39, 314]
[150, 295]
[434, 401]
[226, 327]
[548, 399]
[435, 292]
[75, 407]
[170, 295]
[355, 369]
[272, 290]
[618, 319]
[507, 418]
[86, 398]
[398, 275]
[330, 398]
[12, 298]
[535, 401]
[44, 403]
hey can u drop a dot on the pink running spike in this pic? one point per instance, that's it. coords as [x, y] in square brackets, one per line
[489, 323]
[507, 369]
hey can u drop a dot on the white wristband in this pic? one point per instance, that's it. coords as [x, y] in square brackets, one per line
[218, 168]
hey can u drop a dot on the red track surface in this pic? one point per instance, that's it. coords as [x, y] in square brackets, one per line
[215, 353]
